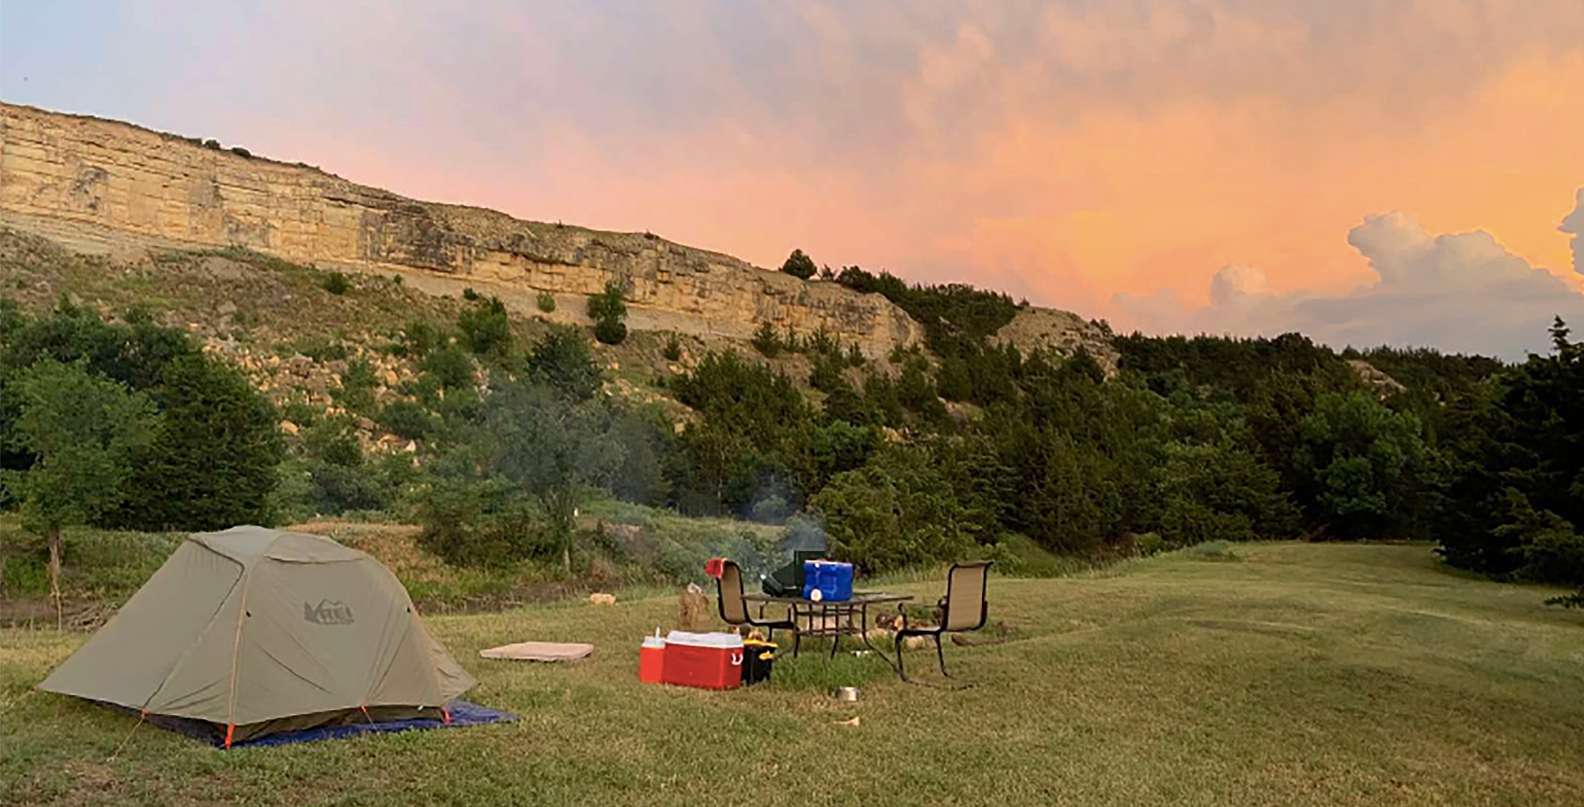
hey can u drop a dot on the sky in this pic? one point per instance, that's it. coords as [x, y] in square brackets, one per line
[1407, 172]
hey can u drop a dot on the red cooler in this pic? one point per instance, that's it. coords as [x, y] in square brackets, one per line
[704, 660]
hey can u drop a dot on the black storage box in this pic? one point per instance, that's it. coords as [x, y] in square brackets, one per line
[758, 658]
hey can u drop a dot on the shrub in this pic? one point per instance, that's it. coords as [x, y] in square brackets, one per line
[419, 337]
[855, 357]
[839, 446]
[1149, 543]
[1212, 550]
[610, 332]
[336, 283]
[609, 310]
[546, 302]
[563, 360]
[320, 349]
[483, 523]
[821, 343]
[766, 341]
[450, 367]
[356, 391]
[1187, 522]
[799, 265]
[408, 419]
[339, 478]
[470, 295]
[827, 373]
[486, 328]
[673, 349]
[301, 412]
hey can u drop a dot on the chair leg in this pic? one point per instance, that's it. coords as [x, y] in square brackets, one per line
[902, 673]
[797, 640]
[941, 654]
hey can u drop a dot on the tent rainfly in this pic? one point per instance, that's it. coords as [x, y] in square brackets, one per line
[254, 631]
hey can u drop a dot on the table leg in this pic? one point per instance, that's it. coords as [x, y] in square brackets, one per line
[828, 614]
[863, 632]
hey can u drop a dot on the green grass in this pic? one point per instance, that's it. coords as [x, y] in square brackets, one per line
[1302, 674]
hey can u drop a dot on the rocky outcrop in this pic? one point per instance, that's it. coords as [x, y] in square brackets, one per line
[124, 179]
[1061, 331]
[1376, 379]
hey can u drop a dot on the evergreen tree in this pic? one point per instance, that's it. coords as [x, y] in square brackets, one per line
[212, 461]
[799, 265]
[608, 309]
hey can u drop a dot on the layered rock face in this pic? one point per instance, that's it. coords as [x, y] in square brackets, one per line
[125, 179]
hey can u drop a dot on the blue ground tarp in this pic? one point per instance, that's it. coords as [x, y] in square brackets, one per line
[463, 713]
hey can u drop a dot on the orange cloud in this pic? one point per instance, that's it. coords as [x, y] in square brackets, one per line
[1154, 189]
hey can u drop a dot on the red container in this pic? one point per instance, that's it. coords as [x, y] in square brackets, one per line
[651, 659]
[704, 660]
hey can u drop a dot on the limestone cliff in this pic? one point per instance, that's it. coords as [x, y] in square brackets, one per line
[123, 179]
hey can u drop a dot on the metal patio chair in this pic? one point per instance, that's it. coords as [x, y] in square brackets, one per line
[734, 609]
[963, 609]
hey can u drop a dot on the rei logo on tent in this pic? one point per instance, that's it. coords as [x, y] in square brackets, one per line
[328, 612]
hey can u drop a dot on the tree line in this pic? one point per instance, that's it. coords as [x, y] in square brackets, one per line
[933, 454]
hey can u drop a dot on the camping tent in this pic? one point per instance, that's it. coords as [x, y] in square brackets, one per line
[253, 631]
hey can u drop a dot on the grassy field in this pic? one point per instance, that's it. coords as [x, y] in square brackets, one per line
[1289, 674]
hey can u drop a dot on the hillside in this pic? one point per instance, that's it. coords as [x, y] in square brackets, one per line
[109, 187]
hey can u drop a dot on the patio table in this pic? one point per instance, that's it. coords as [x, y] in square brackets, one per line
[835, 617]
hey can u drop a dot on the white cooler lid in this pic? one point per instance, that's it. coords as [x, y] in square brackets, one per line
[704, 639]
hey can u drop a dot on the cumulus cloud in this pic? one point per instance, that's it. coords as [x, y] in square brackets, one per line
[1461, 292]
[1574, 225]
[1236, 285]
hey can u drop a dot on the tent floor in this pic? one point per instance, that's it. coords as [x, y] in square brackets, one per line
[463, 713]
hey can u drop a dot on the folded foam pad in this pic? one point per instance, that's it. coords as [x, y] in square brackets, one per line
[539, 651]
